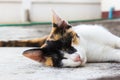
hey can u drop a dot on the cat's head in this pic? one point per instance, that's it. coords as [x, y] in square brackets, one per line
[62, 31]
[61, 45]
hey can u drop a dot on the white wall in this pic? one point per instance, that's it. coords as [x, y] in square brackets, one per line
[10, 10]
[107, 4]
[73, 1]
[76, 11]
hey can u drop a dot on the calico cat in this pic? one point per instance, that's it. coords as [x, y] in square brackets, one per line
[68, 46]
[92, 43]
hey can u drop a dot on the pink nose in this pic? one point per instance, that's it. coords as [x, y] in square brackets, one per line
[77, 59]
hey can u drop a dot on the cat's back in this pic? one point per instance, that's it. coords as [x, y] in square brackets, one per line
[92, 32]
[89, 29]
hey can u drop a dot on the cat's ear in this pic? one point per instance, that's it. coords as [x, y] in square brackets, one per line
[37, 55]
[57, 21]
[34, 54]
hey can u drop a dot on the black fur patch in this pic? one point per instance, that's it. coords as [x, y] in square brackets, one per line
[59, 31]
[53, 49]
[66, 27]
[55, 25]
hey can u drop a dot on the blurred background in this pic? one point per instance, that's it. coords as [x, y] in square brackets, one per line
[21, 11]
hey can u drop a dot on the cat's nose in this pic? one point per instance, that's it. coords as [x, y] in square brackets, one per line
[77, 59]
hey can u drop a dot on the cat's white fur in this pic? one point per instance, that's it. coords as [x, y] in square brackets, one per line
[96, 44]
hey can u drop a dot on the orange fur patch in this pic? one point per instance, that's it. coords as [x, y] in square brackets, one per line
[75, 39]
[48, 61]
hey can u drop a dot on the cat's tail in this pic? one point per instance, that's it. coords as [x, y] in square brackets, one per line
[38, 42]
